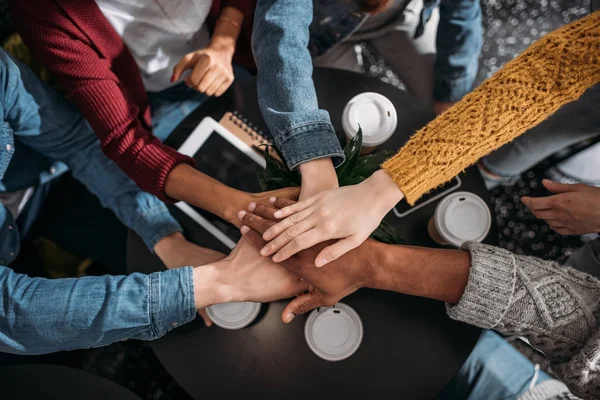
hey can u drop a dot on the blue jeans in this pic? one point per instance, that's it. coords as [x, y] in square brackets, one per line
[171, 106]
[571, 124]
[494, 370]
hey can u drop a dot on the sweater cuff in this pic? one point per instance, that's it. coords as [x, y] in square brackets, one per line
[154, 164]
[551, 389]
[490, 288]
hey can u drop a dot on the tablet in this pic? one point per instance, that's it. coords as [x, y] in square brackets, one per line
[225, 157]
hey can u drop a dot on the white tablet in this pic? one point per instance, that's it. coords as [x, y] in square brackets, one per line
[225, 157]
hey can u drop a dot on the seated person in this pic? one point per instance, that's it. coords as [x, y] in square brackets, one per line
[122, 66]
[553, 306]
[38, 128]
[435, 54]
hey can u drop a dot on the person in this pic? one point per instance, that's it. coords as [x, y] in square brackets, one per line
[432, 46]
[553, 71]
[302, 132]
[123, 64]
[552, 306]
[39, 128]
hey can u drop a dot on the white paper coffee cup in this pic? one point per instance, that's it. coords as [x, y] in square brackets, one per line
[375, 114]
[236, 315]
[334, 333]
[458, 218]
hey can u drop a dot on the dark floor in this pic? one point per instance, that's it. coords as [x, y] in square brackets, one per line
[510, 26]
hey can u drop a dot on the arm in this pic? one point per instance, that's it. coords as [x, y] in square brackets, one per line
[553, 71]
[286, 92]
[95, 90]
[42, 316]
[459, 40]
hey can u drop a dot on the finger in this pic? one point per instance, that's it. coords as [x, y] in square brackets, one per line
[263, 211]
[283, 226]
[538, 203]
[556, 187]
[302, 242]
[301, 305]
[212, 75]
[287, 236]
[210, 91]
[547, 215]
[254, 221]
[252, 237]
[223, 88]
[281, 202]
[336, 250]
[294, 208]
[207, 321]
[185, 63]
[200, 69]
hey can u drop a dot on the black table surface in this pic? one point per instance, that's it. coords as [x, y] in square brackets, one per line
[55, 382]
[410, 348]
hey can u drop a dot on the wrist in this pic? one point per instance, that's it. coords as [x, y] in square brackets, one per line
[319, 174]
[224, 44]
[168, 243]
[209, 286]
[383, 188]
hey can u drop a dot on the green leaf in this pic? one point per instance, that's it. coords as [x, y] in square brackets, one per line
[352, 153]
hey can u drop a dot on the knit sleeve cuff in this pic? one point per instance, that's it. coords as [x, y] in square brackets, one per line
[490, 288]
[154, 163]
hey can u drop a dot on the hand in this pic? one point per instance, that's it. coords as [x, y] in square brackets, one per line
[176, 252]
[212, 69]
[240, 201]
[573, 210]
[350, 213]
[244, 276]
[440, 106]
[329, 285]
[317, 176]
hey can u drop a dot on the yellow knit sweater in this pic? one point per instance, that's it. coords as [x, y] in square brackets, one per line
[555, 70]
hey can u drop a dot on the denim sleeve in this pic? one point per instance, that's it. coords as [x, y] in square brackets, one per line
[286, 92]
[43, 120]
[40, 315]
[459, 40]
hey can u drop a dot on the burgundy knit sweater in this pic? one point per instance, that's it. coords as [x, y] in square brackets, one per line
[75, 42]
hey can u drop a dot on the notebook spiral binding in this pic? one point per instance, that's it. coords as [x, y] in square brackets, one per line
[254, 136]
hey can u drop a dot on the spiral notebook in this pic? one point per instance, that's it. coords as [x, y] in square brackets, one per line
[248, 133]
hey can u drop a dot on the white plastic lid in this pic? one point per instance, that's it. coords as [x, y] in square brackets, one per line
[376, 116]
[461, 217]
[233, 315]
[334, 333]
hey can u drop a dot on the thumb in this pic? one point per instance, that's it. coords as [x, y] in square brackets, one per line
[336, 250]
[556, 187]
[186, 62]
[300, 305]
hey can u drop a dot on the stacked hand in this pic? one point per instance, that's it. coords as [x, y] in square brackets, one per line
[573, 210]
[328, 285]
[349, 213]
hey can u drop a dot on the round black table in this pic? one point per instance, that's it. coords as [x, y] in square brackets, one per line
[410, 349]
[55, 382]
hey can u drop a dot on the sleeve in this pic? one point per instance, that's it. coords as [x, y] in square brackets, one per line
[555, 70]
[286, 92]
[91, 84]
[41, 119]
[40, 315]
[554, 307]
[459, 41]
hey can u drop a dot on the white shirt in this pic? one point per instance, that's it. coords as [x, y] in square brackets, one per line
[159, 33]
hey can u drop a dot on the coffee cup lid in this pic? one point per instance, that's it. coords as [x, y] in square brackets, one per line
[235, 315]
[334, 333]
[375, 114]
[462, 217]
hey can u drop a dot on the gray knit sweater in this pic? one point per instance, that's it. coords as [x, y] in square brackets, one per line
[555, 307]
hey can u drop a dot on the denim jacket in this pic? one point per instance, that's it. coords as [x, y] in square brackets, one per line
[286, 32]
[37, 129]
